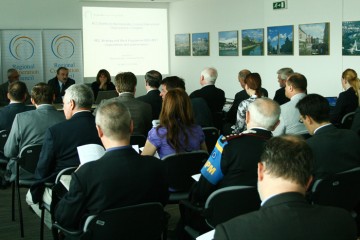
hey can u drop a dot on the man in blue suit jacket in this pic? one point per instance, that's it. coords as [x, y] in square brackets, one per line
[284, 173]
[59, 149]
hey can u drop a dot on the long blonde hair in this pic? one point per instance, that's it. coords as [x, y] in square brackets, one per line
[350, 76]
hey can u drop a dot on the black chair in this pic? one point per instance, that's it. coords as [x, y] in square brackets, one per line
[58, 191]
[211, 136]
[3, 137]
[143, 221]
[347, 120]
[224, 204]
[138, 140]
[180, 168]
[339, 190]
[27, 160]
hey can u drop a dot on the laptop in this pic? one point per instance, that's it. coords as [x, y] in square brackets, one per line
[105, 95]
[332, 101]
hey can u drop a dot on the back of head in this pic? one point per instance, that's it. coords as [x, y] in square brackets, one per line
[17, 91]
[351, 77]
[315, 106]
[253, 81]
[173, 82]
[210, 75]
[288, 157]
[176, 108]
[264, 113]
[114, 119]
[297, 81]
[105, 73]
[125, 82]
[242, 75]
[42, 93]
[81, 94]
[284, 73]
[153, 78]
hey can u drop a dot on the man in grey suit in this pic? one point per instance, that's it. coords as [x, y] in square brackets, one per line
[141, 113]
[29, 127]
[284, 173]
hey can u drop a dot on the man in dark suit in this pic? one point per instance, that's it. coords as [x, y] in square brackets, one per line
[29, 127]
[234, 159]
[335, 150]
[284, 173]
[283, 74]
[152, 83]
[213, 96]
[59, 149]
[141, 113]
[356, 122]
[17, 92]
[60, 83]
[13, 76]
[120, 178]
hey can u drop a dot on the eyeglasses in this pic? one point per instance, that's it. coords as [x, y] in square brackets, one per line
[301, 120]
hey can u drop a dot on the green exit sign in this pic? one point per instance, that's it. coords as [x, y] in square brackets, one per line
[279, 5]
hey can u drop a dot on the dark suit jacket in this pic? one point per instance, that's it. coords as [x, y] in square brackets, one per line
[280, 97]
[3, 94]
[120, 178]
[356, 123]
[59, 149]
[8, 113]
[54, 83]
[347, 102]
[289, 216]
[238, 163]
[202, 113]
[214, 97]
[335, 150]
[153, 98]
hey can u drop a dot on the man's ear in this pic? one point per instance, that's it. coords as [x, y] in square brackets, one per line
[276, 124]
[72, 104]
[100, 132]
[309, 182]
[32, 101]
[131, 127]
[260, 171]
[8, 96]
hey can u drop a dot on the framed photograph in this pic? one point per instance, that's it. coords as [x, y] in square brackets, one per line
[314, 39]
[228, 43]
[252, 42]
[280, 40]
[351, 38]
[200, 44]
[182, 44]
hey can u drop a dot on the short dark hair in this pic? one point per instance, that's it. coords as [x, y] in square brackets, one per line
[298, 81]
[173, 82]
[42, 93]
[125, 82]
[17, 91]
[288, 157]
[153, 78]
[315, 106]
[61, 68]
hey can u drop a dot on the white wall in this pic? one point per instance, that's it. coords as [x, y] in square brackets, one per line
[323, 72]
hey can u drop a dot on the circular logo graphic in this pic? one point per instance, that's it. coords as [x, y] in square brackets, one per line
[22, 47]
[63, 46]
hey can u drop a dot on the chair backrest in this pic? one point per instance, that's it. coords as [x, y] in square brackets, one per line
[3, 137]
[181, 166]
[347, 120]
[339, 190]
[229, 202]
[143, 221]
[137, 140]
[29, 157]
[211, 136]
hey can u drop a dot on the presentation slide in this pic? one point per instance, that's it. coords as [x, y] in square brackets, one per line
[125, 39]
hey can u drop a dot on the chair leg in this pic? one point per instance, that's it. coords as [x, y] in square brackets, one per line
[13, 201]
[42, 220]
[20, 213]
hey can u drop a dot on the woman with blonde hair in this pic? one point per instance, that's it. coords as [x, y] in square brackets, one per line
[348, 100]
[177, 131]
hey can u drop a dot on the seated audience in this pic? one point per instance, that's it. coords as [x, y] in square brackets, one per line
[280, 96]
[152, 83]
[102, 83]
[202, 113]
[349, 99]
[16, 93]
[295, 90]
[176, 131]
[29, 127]
[13, 76]
[60, 83]
[334, 149]
[253, 89]
[120, 178]
[284, 173]
[59, 150]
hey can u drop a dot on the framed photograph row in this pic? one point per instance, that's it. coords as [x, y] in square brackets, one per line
[314, 39]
